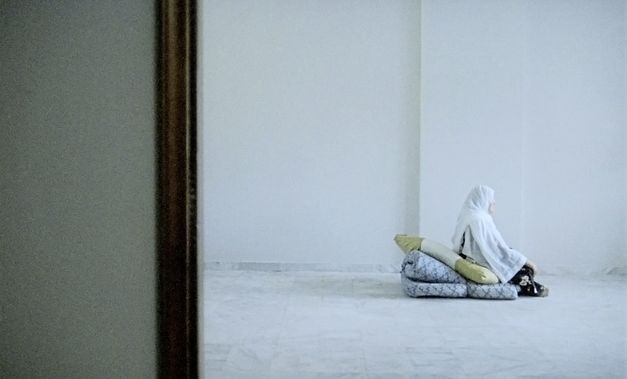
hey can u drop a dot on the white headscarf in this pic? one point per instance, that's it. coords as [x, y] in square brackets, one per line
[484, 243]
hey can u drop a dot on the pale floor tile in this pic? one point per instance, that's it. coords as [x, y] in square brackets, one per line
[361, 325]
[319, 360]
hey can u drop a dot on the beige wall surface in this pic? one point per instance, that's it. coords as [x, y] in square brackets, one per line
[77, 189]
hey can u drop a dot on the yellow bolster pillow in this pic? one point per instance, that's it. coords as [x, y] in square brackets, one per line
[475, 272]
[408, 243]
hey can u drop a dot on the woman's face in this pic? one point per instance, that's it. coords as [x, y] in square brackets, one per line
[492, 207]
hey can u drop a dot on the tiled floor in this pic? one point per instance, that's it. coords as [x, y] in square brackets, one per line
[355, 325]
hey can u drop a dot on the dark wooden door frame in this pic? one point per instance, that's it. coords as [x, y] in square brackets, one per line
[177, 247]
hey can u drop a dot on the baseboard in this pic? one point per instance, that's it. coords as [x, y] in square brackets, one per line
[289, 267]
[566, 271]
[620, 270]
[370, 268]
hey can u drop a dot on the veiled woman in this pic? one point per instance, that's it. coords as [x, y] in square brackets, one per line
[477, 237]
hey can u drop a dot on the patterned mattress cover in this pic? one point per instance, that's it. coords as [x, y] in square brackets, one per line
[424, 276]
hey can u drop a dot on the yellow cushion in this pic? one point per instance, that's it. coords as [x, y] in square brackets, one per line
[475, 272]
[408, 243]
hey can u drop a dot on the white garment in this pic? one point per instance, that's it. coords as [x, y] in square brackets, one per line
[482, 241]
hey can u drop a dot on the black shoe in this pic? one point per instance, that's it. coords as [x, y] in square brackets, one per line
[543, 292]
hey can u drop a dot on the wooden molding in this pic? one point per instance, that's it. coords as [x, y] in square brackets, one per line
[177, 251]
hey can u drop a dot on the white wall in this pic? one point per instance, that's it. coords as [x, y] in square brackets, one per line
[77, 189]
[574, 135]
[310, 129]
[309, 136]
[472, 117]
[529, 98]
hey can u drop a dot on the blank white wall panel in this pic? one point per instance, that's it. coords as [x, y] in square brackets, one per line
[310, 117]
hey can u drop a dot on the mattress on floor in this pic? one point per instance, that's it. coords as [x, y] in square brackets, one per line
[414, 288]
[424, 276]
[499, 291]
